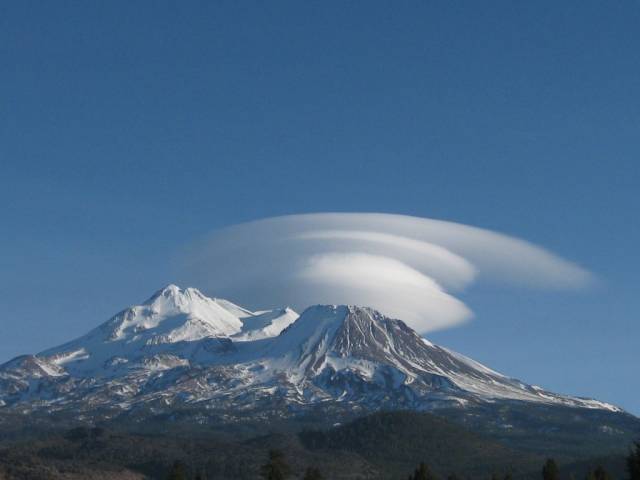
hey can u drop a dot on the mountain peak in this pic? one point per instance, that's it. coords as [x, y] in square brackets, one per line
[330, 332]
[174, 321]
[175, 295]
[170, 290]
[181, 345]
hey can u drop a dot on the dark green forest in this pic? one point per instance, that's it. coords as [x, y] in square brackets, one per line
[384, 445]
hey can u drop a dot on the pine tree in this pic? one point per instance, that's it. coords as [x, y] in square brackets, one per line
[313, 473]
[601, 474]
[633, 462]
[177, 472]
[423, 473]
[276, 468]
[550, 470]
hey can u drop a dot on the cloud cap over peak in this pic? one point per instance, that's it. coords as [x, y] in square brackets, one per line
[407, 267]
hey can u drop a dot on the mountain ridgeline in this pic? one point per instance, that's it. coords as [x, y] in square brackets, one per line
[180, 348]
[183, 358]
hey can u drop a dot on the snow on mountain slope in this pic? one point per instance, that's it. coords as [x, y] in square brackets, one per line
[171, 317]
[182, 347]
[265, 324]
[354, 346]
[173, 323]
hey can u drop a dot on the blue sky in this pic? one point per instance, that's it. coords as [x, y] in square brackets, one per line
[127, 130]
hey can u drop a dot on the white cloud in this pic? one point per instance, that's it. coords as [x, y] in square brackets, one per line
[407, 267]
[383, 283]
[450, 269]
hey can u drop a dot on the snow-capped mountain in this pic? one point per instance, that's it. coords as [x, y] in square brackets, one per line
[182, 348]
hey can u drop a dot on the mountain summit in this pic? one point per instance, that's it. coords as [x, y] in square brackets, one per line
[181, 348]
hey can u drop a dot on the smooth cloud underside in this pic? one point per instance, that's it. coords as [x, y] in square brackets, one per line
[406, 267]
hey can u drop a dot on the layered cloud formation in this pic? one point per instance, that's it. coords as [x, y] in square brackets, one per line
[406, 267]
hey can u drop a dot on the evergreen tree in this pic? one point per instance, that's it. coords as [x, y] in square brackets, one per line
[601, 474]
[633, 462]
[276, 468]
[550, 470]
[423, 473]
[313, 473]
[177, 472]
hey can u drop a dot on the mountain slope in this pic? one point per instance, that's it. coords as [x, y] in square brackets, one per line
[349, 352]
[180, 348]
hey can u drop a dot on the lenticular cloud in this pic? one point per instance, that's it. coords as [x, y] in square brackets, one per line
[406, 267]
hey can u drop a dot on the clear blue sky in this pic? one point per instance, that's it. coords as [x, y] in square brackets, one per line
[130, 128]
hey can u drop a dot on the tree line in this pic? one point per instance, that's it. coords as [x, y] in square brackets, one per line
[550, 470]
[277, 468]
